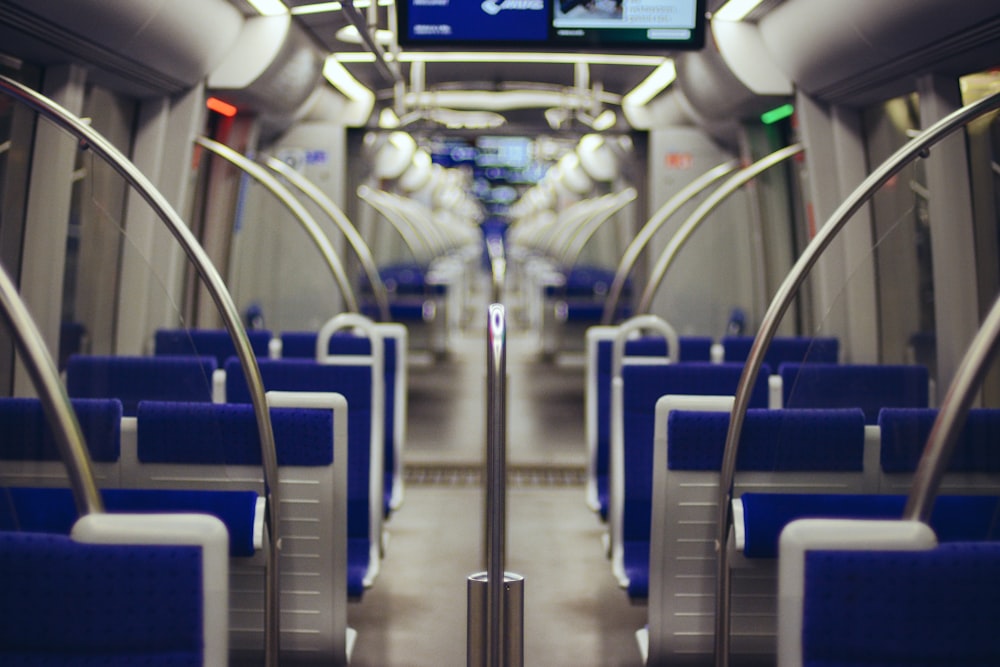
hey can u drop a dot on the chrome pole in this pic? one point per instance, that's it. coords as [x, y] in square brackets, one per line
[299, 211]
[350, 232]
[700, 214]
[58, 410]
[223, 301]
[916, 147]
[496, 477]
[653, 225]
[951, 417]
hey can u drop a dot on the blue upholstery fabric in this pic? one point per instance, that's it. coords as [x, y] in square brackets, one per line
[133, 379]
[643, 387]
[905, 433]
[52, 510]
[692, 348]
[354, 383]
[870, 388]
[207, 433]
[207, 342]
[794, 349]
[301, 344]
[771, 440]
[933, 608]
[65, 603]
[954, 518]
[28, 437]
[584, 290]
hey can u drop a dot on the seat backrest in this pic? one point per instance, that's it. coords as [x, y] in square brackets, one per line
[784, 349]
[188, 445]
[134, 379]
[207, 342]
[631, 481]
[974, 467]
[356, 383]
[805, 451]
[869, 387]
[124, 590]
[882, 592]
[28, 447]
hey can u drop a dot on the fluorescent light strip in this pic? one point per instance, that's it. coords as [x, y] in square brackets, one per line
[337, 74]
[736, 10]
[651, 86]
[516, 57]
[324, 7]
[269, 7]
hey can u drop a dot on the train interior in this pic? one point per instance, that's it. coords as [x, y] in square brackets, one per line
[336, 315]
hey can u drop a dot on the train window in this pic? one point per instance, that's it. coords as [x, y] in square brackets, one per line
[984, 171]
[901, 237]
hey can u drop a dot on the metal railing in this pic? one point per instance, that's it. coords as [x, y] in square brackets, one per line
[916, 147]
[700, 214]
[298, 211]
[224, 303]
[653, 225]
[350, 232]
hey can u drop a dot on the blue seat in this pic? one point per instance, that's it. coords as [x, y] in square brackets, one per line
[108, 597]
[364, 495]
[692, 348]
[206, 445]
[860, 593]
[132, 379]
[802, 451]
[784, 349]
[207, 343]
[302, 345]
[869, 387]
[632, 486]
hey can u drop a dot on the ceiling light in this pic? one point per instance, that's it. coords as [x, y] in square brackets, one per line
[735, 10]
[269, 7]
[349, 34]
[324, 7]
[651, 86]
[517, 57]
[351, 88]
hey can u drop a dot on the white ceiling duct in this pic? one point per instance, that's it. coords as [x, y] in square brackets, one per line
[419, 172]
[394, 156]
[597, 158]
[572, 174]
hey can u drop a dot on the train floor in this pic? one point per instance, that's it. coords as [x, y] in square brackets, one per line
[574, 612]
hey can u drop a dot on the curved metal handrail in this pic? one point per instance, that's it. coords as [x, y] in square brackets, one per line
[496, 476]
[417, 245]
[223, 301]
[951, 417]
[312, 228]
[916, 147]
[653, 225]
[700, 214]
[350, 232]
[55, 401]
[571, 253]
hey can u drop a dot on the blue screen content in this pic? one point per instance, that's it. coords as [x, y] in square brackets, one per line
[479, 20]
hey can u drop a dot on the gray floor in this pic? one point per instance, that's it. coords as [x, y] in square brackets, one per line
[575, 614]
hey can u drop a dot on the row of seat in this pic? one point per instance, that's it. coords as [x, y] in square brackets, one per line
[203, 457]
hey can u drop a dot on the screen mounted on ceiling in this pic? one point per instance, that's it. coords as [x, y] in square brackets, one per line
[552, 24]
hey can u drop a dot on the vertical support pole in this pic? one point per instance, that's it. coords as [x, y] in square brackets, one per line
[496, 597]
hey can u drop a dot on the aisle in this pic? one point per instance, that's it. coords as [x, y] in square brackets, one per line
[575, 614]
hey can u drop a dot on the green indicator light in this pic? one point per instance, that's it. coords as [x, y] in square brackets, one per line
[774, 115]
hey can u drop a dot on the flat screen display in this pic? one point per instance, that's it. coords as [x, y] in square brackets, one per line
[552, 24]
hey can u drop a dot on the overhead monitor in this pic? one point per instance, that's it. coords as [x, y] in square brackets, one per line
[552, 24]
